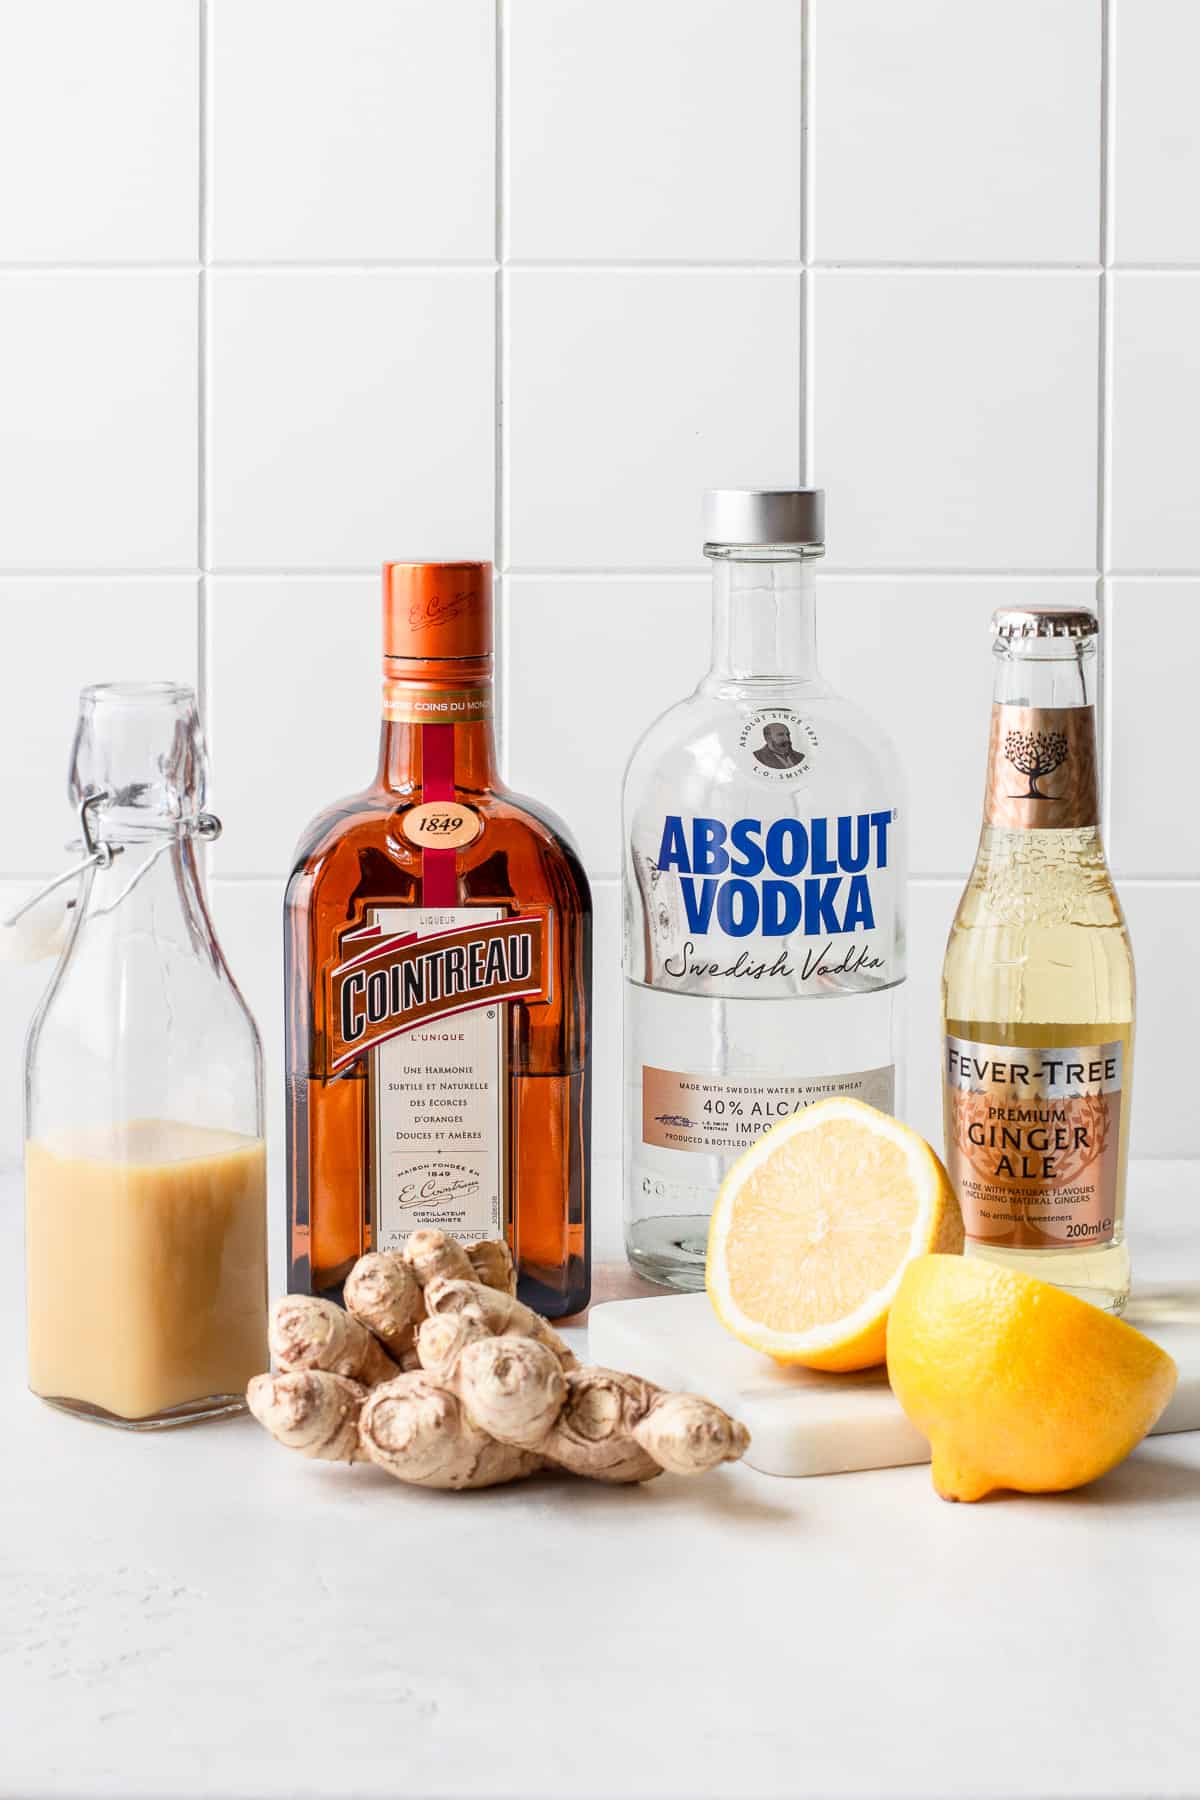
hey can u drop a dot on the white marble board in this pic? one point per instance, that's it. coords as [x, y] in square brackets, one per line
[805, 1423]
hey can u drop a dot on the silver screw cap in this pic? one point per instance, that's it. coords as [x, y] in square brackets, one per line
[1011, 622]
[764, 516]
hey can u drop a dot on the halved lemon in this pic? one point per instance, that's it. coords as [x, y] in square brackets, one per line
[815, 1225]
[1015, 1384]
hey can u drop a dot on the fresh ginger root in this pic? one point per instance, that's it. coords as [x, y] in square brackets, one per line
[310, 1410]
[492, 1262]
[385, 1291]
[473, 1388]
[594, 1422]
[385, 1296]
[306, 1333]
[500, 1314]
[421, 1433]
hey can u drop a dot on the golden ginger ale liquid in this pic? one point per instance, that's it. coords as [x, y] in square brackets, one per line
[1038, 987]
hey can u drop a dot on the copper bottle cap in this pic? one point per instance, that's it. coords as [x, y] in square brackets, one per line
[437, 611]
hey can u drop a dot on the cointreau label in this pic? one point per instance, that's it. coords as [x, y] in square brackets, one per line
[1042, 768]
[1033, 1141]
[421, 995]
[389, 982]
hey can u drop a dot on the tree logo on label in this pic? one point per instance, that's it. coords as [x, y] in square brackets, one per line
[1036, 753]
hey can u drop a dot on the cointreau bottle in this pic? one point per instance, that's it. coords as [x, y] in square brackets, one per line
[438, 966]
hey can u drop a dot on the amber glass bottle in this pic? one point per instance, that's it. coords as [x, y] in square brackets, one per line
[438, 964]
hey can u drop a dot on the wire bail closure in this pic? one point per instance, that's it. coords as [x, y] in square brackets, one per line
[100, 854]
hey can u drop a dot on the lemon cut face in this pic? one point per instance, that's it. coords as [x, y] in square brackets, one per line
[813, 1228]
[1015, 1384]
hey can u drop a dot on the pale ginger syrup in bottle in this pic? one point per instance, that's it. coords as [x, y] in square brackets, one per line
[1038, 984]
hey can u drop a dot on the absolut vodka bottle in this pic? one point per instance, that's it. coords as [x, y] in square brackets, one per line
[764, 873]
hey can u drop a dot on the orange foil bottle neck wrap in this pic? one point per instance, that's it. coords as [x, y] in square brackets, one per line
[437, 612]
[437, 642]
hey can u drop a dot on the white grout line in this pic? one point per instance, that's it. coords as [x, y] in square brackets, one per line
[962, 266]
[1105, 409]
[354, 265]
[808, 476]
[185, 267]
[203, 622]
[500, 391]
[787, 265]
[529, 572]
[599, 266]
[532, 573]
[203, 651]
[915, 572]
[63, 572]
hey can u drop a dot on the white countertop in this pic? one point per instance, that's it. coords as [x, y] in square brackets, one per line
[200, 1613]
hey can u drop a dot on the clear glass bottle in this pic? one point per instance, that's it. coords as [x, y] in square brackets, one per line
[145, 1163]
[1038, 985]
[764, 877]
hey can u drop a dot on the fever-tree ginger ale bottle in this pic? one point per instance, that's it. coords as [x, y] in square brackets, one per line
[1038, 985]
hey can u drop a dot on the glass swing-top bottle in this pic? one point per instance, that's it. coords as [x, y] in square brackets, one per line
[145, 1165]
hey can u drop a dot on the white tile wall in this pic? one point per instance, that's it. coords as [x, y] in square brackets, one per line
[643, 640]
[885, 639]
[1155, 649]
[348, 410]
[626, 390]
[654, 132]
[946, 132]
[294, 740]
[1155, 400]
[99, 139]
[352, 133]
[291, 286]
[98, 453]
[954, 416]
[1156, 172]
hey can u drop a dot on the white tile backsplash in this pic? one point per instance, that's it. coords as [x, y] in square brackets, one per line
[361, 99]
[100, 131]
[332, 281]
[1162, 920]
[1156, 399]
[1156, 149]
[606, 1019]
[956, 131]
[286, 746]
[22, 985]
[350, 417]
[955, 417]
[560, 628]
[1154, 648]
[647, 133]
[248, 919]
[73, 633]
[931, 909]
[631, 392]
[98, 435]
[888, 643]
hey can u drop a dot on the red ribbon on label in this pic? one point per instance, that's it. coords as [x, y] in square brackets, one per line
[439, 868]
